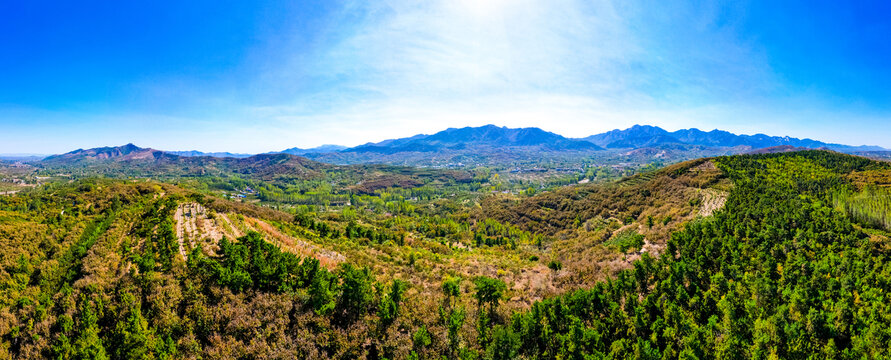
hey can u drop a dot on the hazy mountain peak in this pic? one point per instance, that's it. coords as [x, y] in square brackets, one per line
[323, 149]
[639, 136]
[196, 153]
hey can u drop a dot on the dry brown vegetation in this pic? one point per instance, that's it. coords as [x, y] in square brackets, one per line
[583, 218]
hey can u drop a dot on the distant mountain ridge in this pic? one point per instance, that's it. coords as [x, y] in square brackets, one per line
[468, 138]
[489, 144]
[324, 149]
[194, 153]
[639, 136]
[635, 137]
[152, 160]
[124, 152]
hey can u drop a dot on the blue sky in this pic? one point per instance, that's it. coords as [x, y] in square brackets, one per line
[268, 75]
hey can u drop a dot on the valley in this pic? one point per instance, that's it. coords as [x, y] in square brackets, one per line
[445, 180]
[126, 252]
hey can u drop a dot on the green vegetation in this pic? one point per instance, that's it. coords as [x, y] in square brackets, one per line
[779, 273]
[871, 205]
[422, 265]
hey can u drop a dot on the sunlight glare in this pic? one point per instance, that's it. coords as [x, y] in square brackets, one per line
[481, 8]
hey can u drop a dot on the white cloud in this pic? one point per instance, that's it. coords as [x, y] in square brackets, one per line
[569, 65]
[376, 70]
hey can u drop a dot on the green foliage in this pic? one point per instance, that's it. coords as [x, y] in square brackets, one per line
[777, 273]
[505, 344]
[156, 227]
[322, 292]
[493, 233]
[390, 305]
[628, 239]
[421, 339]
[794, 266]
[355, 292]
[254, 264]
[489, 291]
[488, 294]
[451, 288]
[454, 321]
[872, 205]
[88, 342]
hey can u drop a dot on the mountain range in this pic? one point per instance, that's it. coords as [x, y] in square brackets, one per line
[485, 144]
[193, 153]
[324, 149]
[293, 151]
[121, 153]
[148, 160]
[640, 136]
[475, 137]
[635, 137]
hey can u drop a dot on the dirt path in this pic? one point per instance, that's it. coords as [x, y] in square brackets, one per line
[180, 229]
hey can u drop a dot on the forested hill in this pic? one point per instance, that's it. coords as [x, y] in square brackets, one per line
[795, 264]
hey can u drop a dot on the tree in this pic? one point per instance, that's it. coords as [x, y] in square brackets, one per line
[390, 304]
[488, 293]
[88, 344]
[505, 344]
[322, 292]
[355, 292]
[421, 339]
[452, 315]
[451, 289]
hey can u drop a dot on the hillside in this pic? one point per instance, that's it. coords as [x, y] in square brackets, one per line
[131, 160]
[705, 258]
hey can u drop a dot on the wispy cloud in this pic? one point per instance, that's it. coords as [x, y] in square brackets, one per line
[571, 66]
[358, 71]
